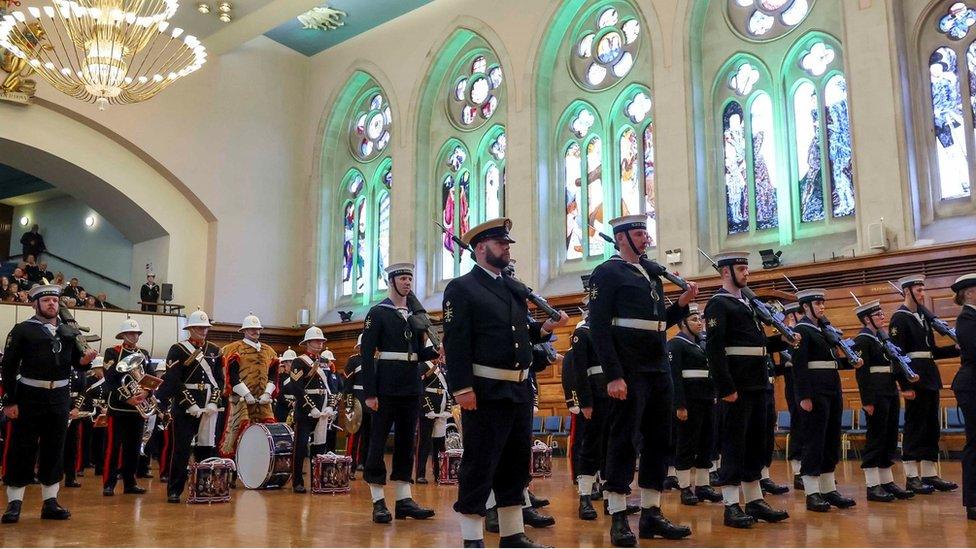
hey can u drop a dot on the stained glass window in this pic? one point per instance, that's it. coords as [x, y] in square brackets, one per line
[650, 207]
[475, 95]
[948, 122]
[371, 129]
[839, 146]
[736, 183]
[766, 19]
[573, 163]
[764, 162]
[806, 114]
[365, 232]
[957, 22]
[605, 48]
[494, 176]
[383, 251]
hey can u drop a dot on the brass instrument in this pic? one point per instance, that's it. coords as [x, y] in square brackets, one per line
[351, 416]
[137, 380]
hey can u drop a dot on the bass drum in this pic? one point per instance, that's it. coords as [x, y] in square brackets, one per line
[264, 455]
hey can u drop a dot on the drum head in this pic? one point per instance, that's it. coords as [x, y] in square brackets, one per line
[254, 456]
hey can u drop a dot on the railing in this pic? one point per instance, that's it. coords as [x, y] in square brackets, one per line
[82, 267]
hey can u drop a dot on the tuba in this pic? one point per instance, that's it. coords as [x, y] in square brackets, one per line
[136, 380]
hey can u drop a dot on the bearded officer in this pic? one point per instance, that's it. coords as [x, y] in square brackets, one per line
[248, 369]
[488, 346]
[964, 384]
[36, 368]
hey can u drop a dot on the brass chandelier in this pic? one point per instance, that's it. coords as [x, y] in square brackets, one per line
[103, 51]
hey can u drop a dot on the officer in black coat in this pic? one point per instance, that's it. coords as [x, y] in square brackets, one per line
[964, 384]
[767, 484]
[310, 387]
[358, 443]
[488, 345]
[878, 384]
[73, 441]
[284, 399]
[791, 312]
[149, 293]
[96, 397]
[920, 443]
[577, 421]
[193, 383]
[36, 369]
[435, 408]
[694, 403]
[736, 348]
[392, 350]
[628, 323]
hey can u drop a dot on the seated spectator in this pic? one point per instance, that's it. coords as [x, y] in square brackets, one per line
[72, 289]
[10, 297]
[59, 280]
[90, 302]
[45, 274]
[33, 242]
[21, 279]
[4, 284]
[22, 297]
[31, 269]
[13, 288]
[69, 302]
[101, 301]
[81, 296]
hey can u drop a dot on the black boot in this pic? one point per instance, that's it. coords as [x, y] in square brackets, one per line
[476, 543]
[52, 511]
[71, 482]
[970, 513]
[299, 489]
[172, 498]
[713, 478]
[597, 493]
[108, 491]
[916, 485]
[688, 497]
[940, 484]
[817, 503]
[878, 493]
[134, 489]
[671, 483]
[760, 510]
[537, 503]
[797, 482]
[737, 518]
[586, 510]
[518, 540]
[535, 519]
[897, 491]
[408, 508]
[381, 515]
[838, 500]
[654, 523]
[770, 487]
[12, 514]
[620, 533]
[707, 493]
[491, 520]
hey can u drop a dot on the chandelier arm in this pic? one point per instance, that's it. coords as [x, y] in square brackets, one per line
[76, 66]
[143, 58]
[159, 54]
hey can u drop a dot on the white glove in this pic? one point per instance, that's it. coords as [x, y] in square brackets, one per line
[265, 399]
[210, 408]
[430, 415]
[329, 412]
[574, 410]
[535, 410]
[195, 411]
[249, 398]
[315, 413]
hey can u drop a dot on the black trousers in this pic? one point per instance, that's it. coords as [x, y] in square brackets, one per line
[359, 446]
[122, 449]
[718, 424]
[399, 412]
[694, 436]
[184, 428]
[73, 449]
[821, 431]
[577, 430]
[497, 439]
[425, 444]
[770, 431]
[304, 427]
[743, 438]
[596, 438]
[796, 419]
[881, 446]
[36, 438]
[97, 448]
[922, 426]
[282, 407]
[967, 404]
[647, 412]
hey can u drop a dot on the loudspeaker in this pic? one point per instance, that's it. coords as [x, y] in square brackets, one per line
[876, 236]
[166, 292]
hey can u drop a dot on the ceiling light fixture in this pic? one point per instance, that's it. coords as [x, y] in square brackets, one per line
[224, 7]
[224, 17]
[203, 7]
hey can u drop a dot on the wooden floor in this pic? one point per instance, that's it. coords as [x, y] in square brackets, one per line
[281, 518]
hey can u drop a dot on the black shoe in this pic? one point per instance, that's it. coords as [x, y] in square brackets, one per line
[970, 513]
[707, 493]
[897, 491]
[620, 533]
[299, 489]
[597, 493]
[916, 485]
[878, 493]
[164, 479]
[71, 483]
[144, 474]
[408, 508]
[770, 487]
[108, 491]
[653, 523]
[50, 510]
[518, 540]
[474, 543]
[760, 510]
[671, 483]
[173, 498]
[688, 497]
[134, 489]
[838, 500]
[735, 517]
[797, 482]
[817, 503]
[713, 478]
[491, 520]
[381, 515]
[422, 480]
[12, 514]
[535, 519]
[940, 484]
[537, 503]
[586, 510]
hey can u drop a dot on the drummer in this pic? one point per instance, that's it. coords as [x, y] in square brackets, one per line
[284, 400]
[312, 413]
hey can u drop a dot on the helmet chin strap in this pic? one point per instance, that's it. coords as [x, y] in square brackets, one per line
[735, 278]
[631, 242]
[393, 285]
[911, 292]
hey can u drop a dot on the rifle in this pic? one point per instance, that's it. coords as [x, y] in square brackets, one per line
[420, 321]
[937, 323]
[835, 338]
[652, 267]
[894, 355]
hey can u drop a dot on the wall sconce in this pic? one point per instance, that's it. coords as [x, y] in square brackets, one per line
[24, 221]
[90, 221]
[673, 257]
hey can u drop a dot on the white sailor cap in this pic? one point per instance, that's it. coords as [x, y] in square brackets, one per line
[963, 282]
[398, 269]
[45, 290]
[628, 223]
[793, 307]
[868, 309]
[814, 294]
[911, 280]
[693, 309]
[725, 259]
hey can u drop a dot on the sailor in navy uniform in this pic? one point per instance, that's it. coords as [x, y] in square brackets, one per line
[791, 312]
[36, 369]
[97, 397]
[577, 421]
[628, 323]
[488, 345]
[964, 384]
[736, 348]
[920, 443]
[392, 350]
[193, 383]
[878, 384]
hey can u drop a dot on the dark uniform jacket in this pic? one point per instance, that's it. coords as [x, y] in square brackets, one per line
[689, 371]
[965, 379]
[436, 399]
[33, 352]
[149, 294]
[485, 324]
[96, 397]
[354, 381]
[591, 382]
[386, 330]
[309, 386]
[114, 379]
[188, 385]
[813, 349]
[732, 323]
[872, 385]
[621, 292]
[79, 384]
[569, 380]
[912, 334]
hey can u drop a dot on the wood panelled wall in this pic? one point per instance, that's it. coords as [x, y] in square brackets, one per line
[867, 277]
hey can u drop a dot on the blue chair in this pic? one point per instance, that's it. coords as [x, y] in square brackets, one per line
[954, 422]
[901, 418]
[537, 426]
[783, 421]
[552, 424]
[846, 426]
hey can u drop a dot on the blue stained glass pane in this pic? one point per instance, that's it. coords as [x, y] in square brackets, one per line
[839, 147]
[957, 22]
[362, 258]
[629, 166]
[383, 250]
[808, 154]
[348, 233]
[447, 219]
[736, 184]
[574, 190]
[764, 160]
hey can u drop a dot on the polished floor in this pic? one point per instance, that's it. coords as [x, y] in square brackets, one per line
[281, 518]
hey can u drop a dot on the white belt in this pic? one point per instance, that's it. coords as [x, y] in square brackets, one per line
[694, 374]
[389, 355]
[745, 351]
[316, 391]
[356, 371]
[73, 395]
[500, 374]
[357, 388]
[197, 386]
[641, 324]
[880, 369]
[43, 384]
[289, 397]
[772, 380]
[822, 365]
[434, 390]
[920, 354]
[594, 370]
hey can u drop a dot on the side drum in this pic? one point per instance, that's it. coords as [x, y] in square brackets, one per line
[210, 480]
[264, 455]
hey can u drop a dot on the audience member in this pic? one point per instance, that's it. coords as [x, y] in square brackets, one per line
[45, 274]
[32, 270]
[72, 289]
[149, 293]
[33, 242]
[4, 283]
[59, 280]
